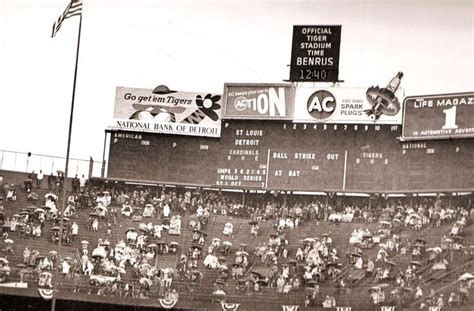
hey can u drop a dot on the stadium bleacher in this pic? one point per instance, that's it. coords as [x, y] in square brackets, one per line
[297, 257]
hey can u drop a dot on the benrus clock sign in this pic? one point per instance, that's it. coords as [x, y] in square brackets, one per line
[315, 53]
[438, 116]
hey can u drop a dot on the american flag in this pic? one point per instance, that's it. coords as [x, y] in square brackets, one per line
[74, 8]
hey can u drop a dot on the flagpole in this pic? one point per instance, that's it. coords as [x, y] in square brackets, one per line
[61, 220]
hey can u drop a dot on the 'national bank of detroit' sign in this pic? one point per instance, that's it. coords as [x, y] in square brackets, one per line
[180, 113]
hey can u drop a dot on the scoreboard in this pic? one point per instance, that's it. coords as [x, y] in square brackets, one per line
[273, 155]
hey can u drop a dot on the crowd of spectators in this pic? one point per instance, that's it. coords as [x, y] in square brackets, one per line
[133, 264]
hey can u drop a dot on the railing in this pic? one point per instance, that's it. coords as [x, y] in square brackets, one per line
[343, 275]
[452, 272]
[28, 162]
[199, 292]
[450, 286]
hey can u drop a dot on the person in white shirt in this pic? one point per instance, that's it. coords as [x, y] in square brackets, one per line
[65, 267]
[327, 303]
[199, 211]
[39, 179]
[166, 211]
[37, 231]
[82, 183]
[359, 263]
[418, 293]
[74, 230]
[157, 231]
[95, 225]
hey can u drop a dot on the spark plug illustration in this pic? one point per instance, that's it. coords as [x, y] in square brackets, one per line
[383, 100]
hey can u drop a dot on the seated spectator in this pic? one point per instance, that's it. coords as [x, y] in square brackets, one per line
[454, 230]
[211, 261]
[148, 211]
[11, 193]
[329, 302]
[287, 287]
[228, 229]
[175, 225]
[280, 284]
[127, 210]
[13, 224]
[37, 231]
[69, 211]
[141, 241]
[32, 197]
[65, 267]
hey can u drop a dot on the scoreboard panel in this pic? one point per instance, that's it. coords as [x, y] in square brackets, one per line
[306, 157]
[373, 160]
[296, 157]
[241, 156]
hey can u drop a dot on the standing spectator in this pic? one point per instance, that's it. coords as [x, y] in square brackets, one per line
[95, 224]
[51, 181]
[26, 255]
[76, 282]
[418, 293]
[75, 183]
[166, 210]
[370, 267]
[34, 178]
[39, 179]
[60, 182]
[82, 183]
[440, 302]
[74, 230]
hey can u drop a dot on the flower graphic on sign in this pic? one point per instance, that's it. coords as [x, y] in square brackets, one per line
[207, 107]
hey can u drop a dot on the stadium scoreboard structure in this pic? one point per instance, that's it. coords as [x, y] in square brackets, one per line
[268, 140]
[295, 157]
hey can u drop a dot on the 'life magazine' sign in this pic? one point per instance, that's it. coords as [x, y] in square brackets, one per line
[438, 116]
[258, 101]
[315, 53]
[182, 113]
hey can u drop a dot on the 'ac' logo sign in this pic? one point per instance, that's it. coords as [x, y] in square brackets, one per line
[321, 105]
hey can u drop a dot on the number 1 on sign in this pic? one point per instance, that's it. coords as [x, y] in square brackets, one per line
[450, 119]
